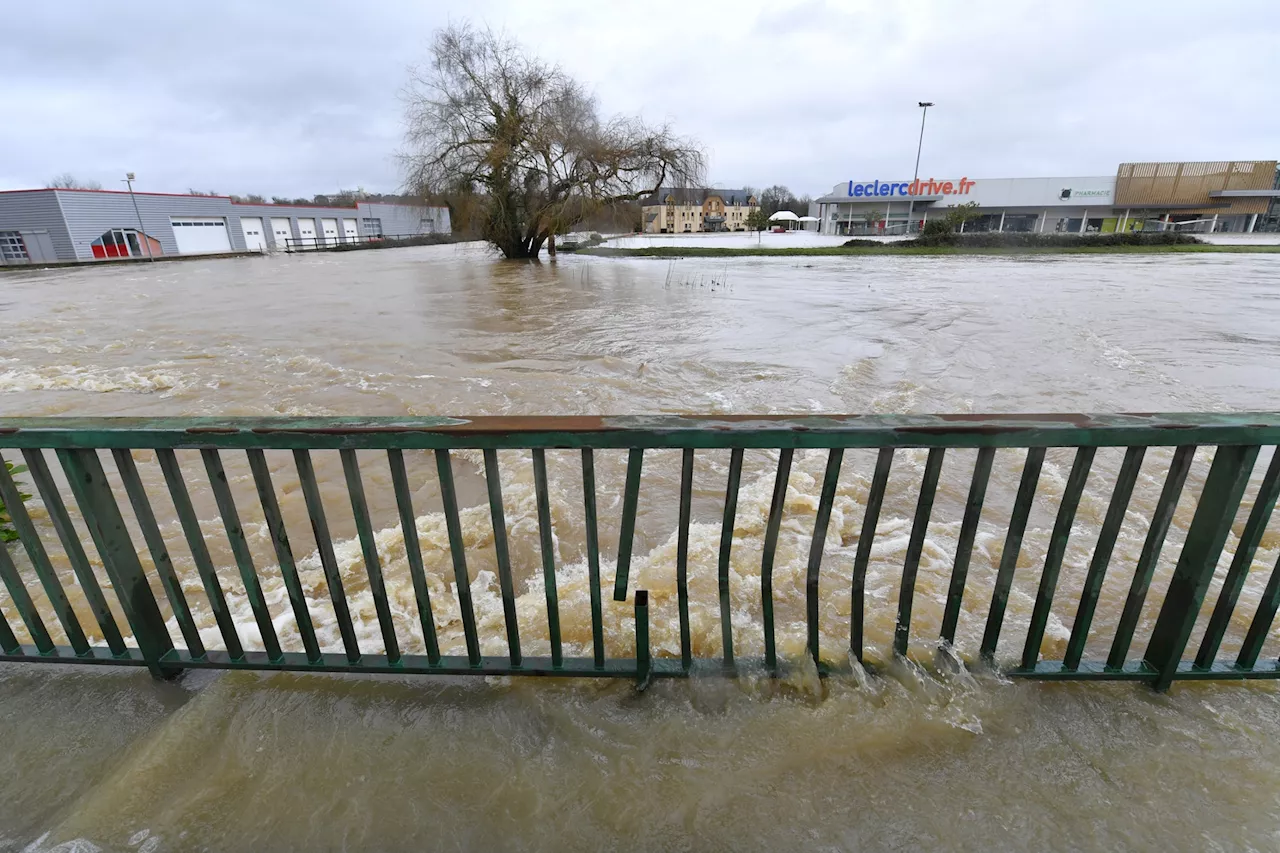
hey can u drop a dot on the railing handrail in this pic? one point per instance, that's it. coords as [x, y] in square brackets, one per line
[648, 431]
[340, 239]
[1237, 439]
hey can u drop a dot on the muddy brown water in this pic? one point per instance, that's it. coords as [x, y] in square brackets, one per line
[909, 759]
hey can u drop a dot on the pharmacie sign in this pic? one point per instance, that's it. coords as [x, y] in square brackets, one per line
[905, 189]
[1068, 193]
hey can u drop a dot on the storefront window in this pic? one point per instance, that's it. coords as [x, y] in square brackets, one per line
[1270, 221]
[986, 222]
[1020, 223]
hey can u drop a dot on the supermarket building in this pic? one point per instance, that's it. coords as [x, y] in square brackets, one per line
[59, 225]
[1227, 196]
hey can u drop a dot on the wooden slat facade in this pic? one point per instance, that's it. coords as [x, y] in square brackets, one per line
[1187, 185]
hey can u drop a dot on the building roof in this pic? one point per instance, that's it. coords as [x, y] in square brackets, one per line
[356, 203]
[695, 195]
[107, 192]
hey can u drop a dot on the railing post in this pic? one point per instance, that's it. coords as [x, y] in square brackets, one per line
[102, 516]
[1216, 510]
[630, 497]
[643, 659]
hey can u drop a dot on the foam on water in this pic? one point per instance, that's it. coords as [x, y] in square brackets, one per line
[160, 379]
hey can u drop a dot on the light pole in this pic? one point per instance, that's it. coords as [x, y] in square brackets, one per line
[142, 231]
[924, 107]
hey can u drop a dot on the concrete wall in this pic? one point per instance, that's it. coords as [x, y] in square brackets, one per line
[1097, 191]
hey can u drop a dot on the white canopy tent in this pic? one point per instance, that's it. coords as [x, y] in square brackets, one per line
[784, 216]
[805, 220]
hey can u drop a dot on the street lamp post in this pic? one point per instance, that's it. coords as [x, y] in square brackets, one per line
[924, 107]
[129, 178]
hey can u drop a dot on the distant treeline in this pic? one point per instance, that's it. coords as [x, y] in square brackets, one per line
[341, 198]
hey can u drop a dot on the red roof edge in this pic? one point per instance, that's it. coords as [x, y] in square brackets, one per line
[110, 192]
[227, 197]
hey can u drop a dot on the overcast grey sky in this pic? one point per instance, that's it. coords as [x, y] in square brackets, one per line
[296, 98]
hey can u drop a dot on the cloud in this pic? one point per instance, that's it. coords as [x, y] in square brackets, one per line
[294, 99]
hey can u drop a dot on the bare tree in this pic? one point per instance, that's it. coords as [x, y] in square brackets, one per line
[486, 118]
[778, 197]
[68, 181]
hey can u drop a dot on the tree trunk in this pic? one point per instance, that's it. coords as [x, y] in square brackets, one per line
[513, 249]
[518, 242]
[551, 245]
[521, 249]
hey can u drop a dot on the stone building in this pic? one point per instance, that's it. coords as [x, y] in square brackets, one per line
[681, 210]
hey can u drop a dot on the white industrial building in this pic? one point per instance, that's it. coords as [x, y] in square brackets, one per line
[50, 225]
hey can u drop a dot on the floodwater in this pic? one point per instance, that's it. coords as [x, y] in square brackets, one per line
[911, 758]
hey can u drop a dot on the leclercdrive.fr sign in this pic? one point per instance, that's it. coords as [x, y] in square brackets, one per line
[902, 189]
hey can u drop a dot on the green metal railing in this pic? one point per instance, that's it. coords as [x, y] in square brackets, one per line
[78, 445]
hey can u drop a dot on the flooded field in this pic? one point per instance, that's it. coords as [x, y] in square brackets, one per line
[110, 760]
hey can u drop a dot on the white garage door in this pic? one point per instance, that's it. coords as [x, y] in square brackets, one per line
[350, 231]
[201, 235]
[252, 228]
[281, 230]
[330, 227]
[307, 233]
